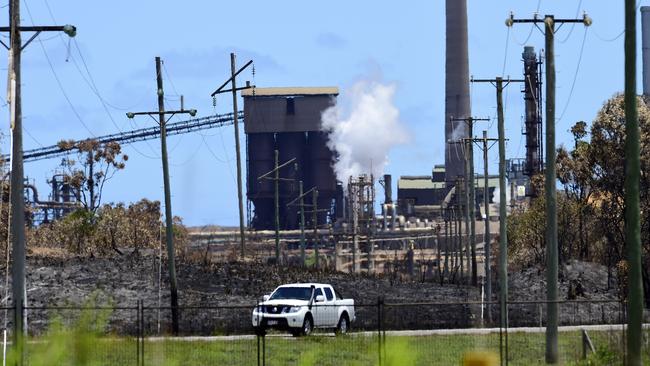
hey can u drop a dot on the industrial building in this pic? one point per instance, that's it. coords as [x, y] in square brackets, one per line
[288, 120]
[422, 196]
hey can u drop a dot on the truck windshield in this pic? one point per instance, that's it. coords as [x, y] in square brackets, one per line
[293, 293]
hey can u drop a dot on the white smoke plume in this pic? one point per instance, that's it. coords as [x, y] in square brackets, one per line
[497, 195]
[362, 127]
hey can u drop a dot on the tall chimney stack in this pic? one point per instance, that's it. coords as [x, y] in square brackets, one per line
[645, 41]
[457, 103]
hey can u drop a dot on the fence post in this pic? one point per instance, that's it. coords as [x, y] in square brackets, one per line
[142, 332]
[587, 345]
[383, 328]
[137, 333]
[380, 321]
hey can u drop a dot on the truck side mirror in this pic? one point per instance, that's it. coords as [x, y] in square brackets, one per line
[265, 297]
[320, 298]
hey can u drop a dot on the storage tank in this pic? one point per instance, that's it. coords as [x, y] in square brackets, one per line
[321, 174]
[290, 114]
[260, 152]
[291, 145]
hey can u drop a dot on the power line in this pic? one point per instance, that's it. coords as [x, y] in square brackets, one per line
[505, 57]
[56, 77]
[170, 79]
[575, 77]
[532, 28]
[32, 137]
[212, 152]
[619, 35]
[190, 158]
[90, 81]
[573, 25]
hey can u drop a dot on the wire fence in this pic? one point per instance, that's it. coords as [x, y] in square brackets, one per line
[381, 333]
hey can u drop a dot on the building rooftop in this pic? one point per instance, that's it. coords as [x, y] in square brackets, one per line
[418, 182]
[424, 182]
[290, 91]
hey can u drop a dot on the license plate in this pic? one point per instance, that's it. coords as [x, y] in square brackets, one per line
[272, 322]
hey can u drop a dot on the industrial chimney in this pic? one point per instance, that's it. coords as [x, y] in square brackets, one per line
[645, 41]
[533, 103]
[456, 87]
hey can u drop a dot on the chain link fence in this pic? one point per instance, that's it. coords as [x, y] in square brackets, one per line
[383, 333]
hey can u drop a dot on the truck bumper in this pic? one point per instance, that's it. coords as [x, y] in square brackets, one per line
[278, 322]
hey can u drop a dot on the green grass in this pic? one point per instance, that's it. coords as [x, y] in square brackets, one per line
[524, 349]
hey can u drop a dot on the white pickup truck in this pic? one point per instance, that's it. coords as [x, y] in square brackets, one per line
[301, 307]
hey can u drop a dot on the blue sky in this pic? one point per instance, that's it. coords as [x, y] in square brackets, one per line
[293, 43]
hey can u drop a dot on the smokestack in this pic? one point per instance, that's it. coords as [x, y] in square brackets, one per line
[645, 41]
[388, 188]
[456, 87]
[533, 102]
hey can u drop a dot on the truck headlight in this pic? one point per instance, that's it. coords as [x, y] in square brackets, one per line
[294, 309]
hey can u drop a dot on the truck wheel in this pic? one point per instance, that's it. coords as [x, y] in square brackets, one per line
[307, 325]
[260, 331]
[343, 326]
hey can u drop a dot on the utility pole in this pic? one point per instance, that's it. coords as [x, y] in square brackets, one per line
[301, 199]
[486, 200]
[471, 183]
[276, 182]
[550, 180]
[503, 228]
[169, 229]
[234, 90]
[314, 218]
[302, 224]
[462, 182]
[445, 271]
[17, 173]
[353, 193]
[632, 214]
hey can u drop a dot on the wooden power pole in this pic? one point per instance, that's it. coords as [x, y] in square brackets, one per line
[552, 315]
[276, 183]
[17, 213]
[235, 116]
[503, 228]
[169, 222]
[486, 200]
[632, 174]
[471, 184]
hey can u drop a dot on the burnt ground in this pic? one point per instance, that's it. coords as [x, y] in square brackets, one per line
[121, 281]
[594, 295]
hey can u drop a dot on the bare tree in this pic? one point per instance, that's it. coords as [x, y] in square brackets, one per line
[96, 163]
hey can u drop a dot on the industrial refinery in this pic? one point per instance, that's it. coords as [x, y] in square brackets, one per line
[295, 197]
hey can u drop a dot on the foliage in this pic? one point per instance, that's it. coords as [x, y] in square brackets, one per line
[68, 345]
[112, 227]
[95, 164]
[181, 237]
[143, 223]
[526, 234]
[591, 205]
[86, 344]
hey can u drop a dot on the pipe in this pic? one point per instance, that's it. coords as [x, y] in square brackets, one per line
[48, 203]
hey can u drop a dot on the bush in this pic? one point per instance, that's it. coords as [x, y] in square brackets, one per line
[112, 227]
